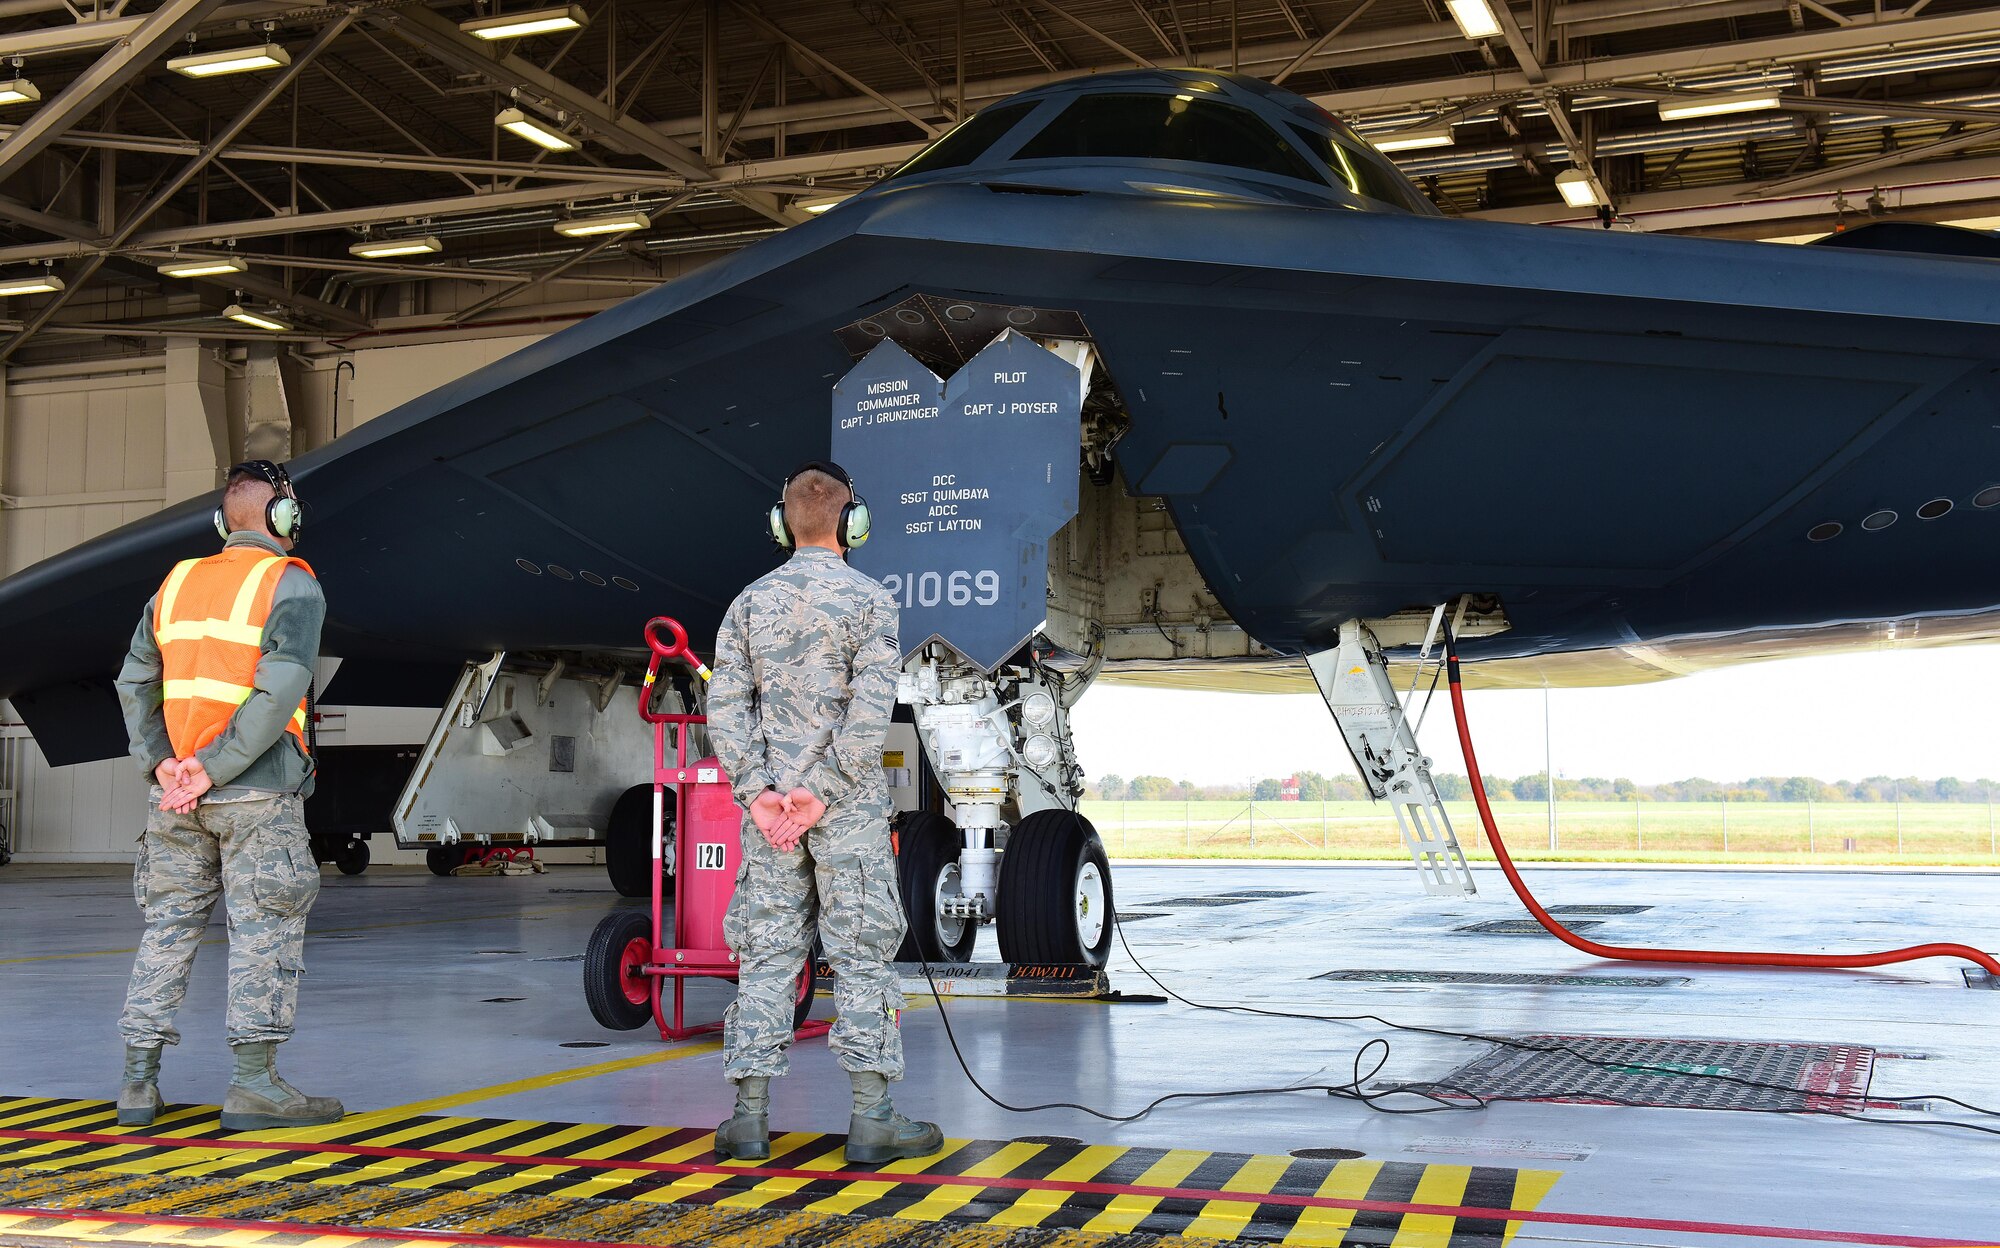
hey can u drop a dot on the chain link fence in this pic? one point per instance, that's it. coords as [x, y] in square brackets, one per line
[1667, 831]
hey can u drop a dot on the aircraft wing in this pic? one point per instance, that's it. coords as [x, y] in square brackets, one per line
[1626, 438]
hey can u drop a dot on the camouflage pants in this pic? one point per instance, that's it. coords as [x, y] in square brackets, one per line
[842, 876]
[253, 855]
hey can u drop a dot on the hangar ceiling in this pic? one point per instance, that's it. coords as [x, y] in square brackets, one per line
[723, 120]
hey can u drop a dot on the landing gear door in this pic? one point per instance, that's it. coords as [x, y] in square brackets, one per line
[968, 481]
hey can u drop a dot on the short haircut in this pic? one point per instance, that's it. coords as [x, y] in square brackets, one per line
[812, 505]
[244, 501]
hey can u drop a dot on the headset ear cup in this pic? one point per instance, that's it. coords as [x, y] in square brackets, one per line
[856, 522]
[282, 514]
[775, 522]
[221, 525]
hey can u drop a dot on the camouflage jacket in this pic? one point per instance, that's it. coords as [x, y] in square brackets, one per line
[805, 676]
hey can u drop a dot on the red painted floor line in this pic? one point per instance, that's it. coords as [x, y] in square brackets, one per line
[1889, 1239]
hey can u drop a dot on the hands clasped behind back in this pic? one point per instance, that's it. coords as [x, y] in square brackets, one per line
[785, 818]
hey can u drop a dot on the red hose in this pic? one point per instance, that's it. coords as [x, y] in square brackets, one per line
[1698, 956]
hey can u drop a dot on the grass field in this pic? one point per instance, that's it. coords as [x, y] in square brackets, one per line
[1870, 832]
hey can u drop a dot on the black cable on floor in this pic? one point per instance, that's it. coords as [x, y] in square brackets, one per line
[1442, 1098]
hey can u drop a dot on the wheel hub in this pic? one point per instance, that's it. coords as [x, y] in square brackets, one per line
[1091, 910]
[949, 906]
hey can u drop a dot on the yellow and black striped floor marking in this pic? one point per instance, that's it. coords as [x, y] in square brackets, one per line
[540, 1182]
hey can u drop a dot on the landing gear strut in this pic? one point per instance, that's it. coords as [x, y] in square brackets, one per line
[1000, 745]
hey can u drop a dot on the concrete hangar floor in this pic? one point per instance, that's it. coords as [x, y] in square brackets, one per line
[487, 1108]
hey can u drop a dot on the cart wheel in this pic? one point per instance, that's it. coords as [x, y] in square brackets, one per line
[352, 858]
[926, 871]
[808, 984]
[628, 841]
[619, 993]
[1055, 892]
[441, 859]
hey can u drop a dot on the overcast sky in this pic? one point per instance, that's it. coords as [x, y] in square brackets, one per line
[1926, 713]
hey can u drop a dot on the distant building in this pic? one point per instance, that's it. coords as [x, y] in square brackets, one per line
[1288, 789]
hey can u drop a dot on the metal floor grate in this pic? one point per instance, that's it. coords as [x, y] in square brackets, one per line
[1505, 978]
[1133, 916]
[1976, 978]
[1583, 909]
[1265, 894]
[1670, 1073]
[1520, 927]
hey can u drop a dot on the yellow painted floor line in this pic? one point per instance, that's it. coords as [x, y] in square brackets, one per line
[533, 1083]
[1125, 1212]
[1036, 1204]
[1319, 1224]
[610, 1180]
[771, 1189]
[1439, 1185]
[1225, 1219]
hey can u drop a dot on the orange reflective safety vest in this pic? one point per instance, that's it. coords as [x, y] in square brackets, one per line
[208, 621]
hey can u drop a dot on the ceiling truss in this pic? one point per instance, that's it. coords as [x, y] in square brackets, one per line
[718, 117]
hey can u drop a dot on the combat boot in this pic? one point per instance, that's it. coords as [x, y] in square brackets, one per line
[747, 1135]
[139, 1096]
[877, 1133]
[258, 1100]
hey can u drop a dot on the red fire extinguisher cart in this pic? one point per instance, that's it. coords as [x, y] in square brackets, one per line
[630, 959]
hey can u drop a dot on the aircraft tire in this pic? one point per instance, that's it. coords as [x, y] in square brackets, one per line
[442, 858]
[927, 860]
[628, 841]
[352, 858]
[619, 999]
[1055, 893]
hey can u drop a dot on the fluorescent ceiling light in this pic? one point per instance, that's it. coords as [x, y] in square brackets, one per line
[231, 61]
[384, 248]
[262, 320]
[1411, 140]
[1577, 190]
[1684, 107]
[821, 204]
[202, 266]
[1474, 17]
[584, 227]
[533, 131]
[529, 22]
[39, 284]
[19, 91]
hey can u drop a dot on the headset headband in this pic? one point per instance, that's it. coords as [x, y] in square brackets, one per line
[826, 466]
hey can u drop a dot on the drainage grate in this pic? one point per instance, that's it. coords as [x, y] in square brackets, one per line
[1133, 916]
[501, 1000]
[1671, 1073]
[1205, 901]
[1976, 978]
[1506, 978]
[1056, 1141]
[1520, 927]
[583, 1044]
[1263, 894]
[1328, 1154]
[1599, 909]
[568, 957]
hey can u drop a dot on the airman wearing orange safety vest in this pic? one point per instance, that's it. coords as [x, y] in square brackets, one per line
[217, 696]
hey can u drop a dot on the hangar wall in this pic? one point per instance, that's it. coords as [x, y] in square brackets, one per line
[86, 447]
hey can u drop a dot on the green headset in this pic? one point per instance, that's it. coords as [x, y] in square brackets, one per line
[850, 530]
[283, 513]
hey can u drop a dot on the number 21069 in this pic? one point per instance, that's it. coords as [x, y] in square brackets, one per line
[930, 589]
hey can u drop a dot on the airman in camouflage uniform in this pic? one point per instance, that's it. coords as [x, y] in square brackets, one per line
[805, 676]
[228, 824]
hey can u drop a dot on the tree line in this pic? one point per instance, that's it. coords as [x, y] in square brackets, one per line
[1453, 787]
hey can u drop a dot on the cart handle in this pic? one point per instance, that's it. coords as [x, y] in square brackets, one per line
[676, 648]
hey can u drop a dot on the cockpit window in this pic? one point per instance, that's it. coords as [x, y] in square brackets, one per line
[1168, 127]
[1362, 174]
[967, 140]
